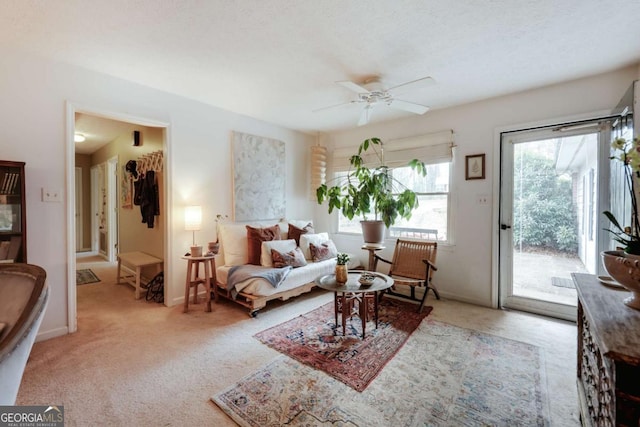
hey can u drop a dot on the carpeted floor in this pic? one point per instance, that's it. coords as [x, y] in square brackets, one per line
[86, 276]
[444, 375]
[312, 339]
[133, 362]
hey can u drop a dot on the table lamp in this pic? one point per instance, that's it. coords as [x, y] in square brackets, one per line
[192, 222]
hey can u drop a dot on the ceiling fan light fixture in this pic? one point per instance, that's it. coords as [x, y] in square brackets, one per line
[78, 137]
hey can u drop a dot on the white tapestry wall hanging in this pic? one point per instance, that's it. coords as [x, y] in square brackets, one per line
[258, 177]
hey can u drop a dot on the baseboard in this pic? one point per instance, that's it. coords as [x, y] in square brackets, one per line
[86, 254]
[53, 333]
[180, 300]
[456, 297]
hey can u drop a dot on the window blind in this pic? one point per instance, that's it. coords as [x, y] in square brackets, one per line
[430, 148]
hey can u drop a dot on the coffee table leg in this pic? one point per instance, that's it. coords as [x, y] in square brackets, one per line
[362, 309]
[344, 314]
[335, 309]
[375, 307]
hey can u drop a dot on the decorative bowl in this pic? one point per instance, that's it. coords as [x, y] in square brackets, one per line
[366, 279]
[625, 269]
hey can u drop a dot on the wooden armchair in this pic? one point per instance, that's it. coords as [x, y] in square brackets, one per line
[413, 264]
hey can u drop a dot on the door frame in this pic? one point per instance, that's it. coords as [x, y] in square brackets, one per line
[112, 208]
[78, 209]
[497, 179]
[508, 143]
[95, 247]
[71, 110]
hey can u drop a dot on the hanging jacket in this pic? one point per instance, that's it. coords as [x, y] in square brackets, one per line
[149, 199]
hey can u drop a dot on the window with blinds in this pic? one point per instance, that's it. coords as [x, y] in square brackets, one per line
[431, 220]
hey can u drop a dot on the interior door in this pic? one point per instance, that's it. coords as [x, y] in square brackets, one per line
[78, 211]
[550, 205]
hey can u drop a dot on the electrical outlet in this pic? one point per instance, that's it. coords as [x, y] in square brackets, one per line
[49, 195]
[482, 199]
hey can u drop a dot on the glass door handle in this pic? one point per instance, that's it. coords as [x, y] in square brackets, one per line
[504, 226]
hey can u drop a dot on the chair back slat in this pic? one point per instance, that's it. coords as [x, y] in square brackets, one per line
[408, 256]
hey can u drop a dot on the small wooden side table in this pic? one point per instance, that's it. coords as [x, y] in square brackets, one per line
[194, 279]
[372, 250]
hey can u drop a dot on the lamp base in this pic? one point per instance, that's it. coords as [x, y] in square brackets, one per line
[196, 251]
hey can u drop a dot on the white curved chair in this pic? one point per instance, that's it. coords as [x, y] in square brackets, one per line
[23, 300]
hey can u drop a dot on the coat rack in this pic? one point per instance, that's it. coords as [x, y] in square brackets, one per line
[150, 162]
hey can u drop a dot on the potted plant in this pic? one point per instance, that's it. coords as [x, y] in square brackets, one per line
[629, 155]
[624, 265]
[370, 188]
[341, 267]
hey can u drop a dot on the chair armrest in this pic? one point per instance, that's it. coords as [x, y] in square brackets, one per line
[379, 258]
[429, 263]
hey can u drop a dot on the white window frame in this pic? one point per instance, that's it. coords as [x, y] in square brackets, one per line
[450, 206]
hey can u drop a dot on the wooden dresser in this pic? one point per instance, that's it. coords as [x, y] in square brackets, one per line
[608, 355]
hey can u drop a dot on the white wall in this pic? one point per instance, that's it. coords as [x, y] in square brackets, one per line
[465, 268]
[33, 108]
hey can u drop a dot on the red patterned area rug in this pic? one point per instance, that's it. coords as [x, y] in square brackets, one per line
[310, 339]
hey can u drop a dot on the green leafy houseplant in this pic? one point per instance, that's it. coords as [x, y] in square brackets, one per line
[629, 236]
[342, 259]
[371, 189]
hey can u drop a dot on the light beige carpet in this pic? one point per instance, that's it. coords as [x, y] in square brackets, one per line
[138, 363]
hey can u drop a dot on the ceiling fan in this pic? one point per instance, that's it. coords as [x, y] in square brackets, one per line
[372, 93]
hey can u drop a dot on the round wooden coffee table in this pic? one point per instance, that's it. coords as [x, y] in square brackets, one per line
[352, 298]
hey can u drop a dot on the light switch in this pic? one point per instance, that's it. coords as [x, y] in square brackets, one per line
[49, 195]
[482, 199]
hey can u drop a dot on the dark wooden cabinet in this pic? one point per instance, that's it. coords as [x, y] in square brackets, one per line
[13, 217]
[608, 355]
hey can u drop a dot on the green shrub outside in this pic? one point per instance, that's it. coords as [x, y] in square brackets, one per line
[542, 217]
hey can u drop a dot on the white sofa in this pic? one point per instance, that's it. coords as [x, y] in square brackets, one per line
[254, 293]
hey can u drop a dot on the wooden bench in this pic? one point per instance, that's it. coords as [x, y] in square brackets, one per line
[135, 261]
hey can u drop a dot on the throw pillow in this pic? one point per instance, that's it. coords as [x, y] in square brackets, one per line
[308, 238]
[255, 237]
[283, 246]
[296, 232]
[233, 242]
[294, 258]
[325, 250]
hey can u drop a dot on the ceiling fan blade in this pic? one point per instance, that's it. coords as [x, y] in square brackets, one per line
[408, 106]
[411, 86]
[353, 87]
[342, 104]
[365, 116]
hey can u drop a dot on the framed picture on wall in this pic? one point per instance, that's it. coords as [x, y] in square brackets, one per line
[126, 189]
[474, 167]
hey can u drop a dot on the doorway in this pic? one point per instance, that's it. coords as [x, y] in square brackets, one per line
[112, 132]
[551, 194]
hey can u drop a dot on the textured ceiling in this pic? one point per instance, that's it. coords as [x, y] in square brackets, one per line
[278, 60]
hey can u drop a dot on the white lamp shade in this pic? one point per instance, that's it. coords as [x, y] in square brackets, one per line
[192, 218]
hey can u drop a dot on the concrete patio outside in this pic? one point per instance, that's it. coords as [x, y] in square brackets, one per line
[533, 273]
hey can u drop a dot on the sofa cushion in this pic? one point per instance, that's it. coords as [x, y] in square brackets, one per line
[295, 232]
[278, 245]
[316, 239]
[255, 237]
[323, 251]
[294, 258]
